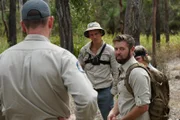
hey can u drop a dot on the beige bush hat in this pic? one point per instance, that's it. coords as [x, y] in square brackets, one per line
[93, 26]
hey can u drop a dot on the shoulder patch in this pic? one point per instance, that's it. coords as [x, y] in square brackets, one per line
[79, 67]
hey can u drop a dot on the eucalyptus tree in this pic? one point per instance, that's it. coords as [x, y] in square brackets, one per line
[158, 23]
[12, 40]
[154, 32]
[166, 19]
[65, 24]
[132, 19]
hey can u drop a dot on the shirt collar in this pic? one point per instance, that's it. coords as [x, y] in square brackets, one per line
[36, 37]
[89, 45]
[131, 61]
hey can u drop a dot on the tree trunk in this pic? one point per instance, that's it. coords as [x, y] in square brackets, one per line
[24, 1]
[65, 26]
[4, 22]
[12, 23]
[121, 24]
[166, 20]
[158, 22]
[132, 19]
[154, 33]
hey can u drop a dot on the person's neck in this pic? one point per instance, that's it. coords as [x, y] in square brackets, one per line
[146, 64]
[95, 46]
[39, 31]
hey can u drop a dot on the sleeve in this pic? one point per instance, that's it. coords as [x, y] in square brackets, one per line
[139, 81]
[79, 86]
[81, 57]
[115, 72]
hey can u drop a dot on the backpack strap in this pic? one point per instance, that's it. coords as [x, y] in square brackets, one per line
[126, 80]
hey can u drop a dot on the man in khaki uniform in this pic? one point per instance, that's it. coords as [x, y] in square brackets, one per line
[99, 63]
[37, 76]
[130, 106]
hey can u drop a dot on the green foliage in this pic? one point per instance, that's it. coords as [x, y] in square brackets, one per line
[174, 15]
[55, 39]
[82, 12]
[3, 44]
[79, 42]
[108, 16]
[165, 51]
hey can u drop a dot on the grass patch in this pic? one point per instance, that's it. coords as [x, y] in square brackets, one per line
[164, 52]
[3, 44]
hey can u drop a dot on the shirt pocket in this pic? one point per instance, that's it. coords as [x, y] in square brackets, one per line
[88, 66]
[105, 57]
[86, 56]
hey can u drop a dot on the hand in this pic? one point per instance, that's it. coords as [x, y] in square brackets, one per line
[111, 116]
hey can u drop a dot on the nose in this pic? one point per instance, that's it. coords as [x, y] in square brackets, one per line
[94, 36]
[118, 51]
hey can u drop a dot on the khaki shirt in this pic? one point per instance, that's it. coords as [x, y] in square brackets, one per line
[101, 76]
[35, 79]
[139, 80]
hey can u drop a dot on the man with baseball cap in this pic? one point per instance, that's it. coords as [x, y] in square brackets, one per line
[141, 55]
[98, 60]
[37, 76]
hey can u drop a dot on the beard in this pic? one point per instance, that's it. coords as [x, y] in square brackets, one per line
[123, 60]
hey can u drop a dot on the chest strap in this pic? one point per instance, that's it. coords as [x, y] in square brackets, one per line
[96, 60]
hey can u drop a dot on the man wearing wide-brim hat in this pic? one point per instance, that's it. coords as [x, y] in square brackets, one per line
[98, 60]
[93, 26]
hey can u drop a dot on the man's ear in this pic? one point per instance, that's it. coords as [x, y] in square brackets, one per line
[23, 26]
[132, 50]
[50, 22]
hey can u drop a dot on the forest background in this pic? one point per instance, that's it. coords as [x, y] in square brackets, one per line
[154, 24]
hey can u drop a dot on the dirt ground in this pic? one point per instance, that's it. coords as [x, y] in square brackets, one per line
[174, 82]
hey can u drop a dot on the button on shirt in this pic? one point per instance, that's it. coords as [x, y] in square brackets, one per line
[35, 76]
[101, 76]
[140, 83]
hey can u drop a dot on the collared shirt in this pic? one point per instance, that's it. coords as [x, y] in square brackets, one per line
[139, 81]
[35, 79]
[101, 76]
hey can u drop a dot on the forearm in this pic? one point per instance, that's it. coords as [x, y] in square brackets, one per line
[136, 112]
[114, 112]
[115, 109]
